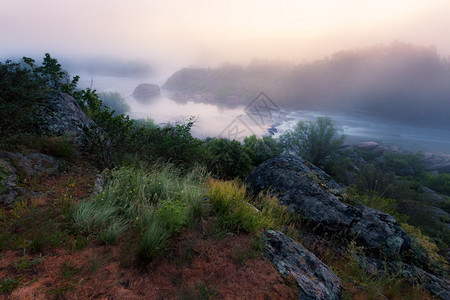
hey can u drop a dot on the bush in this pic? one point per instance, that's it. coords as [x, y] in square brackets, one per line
[227, 159]
[398, 162]
[438, 182]
[115, 102]
[314, 141]
[261, 149]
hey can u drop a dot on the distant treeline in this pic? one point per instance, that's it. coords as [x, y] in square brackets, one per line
[397, 81]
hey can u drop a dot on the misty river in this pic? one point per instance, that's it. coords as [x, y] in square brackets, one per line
[214, 121]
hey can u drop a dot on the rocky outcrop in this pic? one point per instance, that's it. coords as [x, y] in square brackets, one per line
[34, 163]
[146, 91]
[315, 280]
[30, 165]
[373, 148]
[8, 183]
[62, 116]
[415, 276]
[436, 162]
[297, 186]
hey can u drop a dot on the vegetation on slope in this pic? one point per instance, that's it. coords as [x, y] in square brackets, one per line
[148, 209]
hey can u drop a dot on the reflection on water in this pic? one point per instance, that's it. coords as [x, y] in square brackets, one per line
[212, 120]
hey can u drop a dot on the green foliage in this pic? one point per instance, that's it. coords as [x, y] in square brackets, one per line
[423, 243]
[227, 159]
[438, 182]
[261, 149]
[397, 161]
[173, 214]
[115, 102]
[115, 229]
[24, 263]
[61, 146]
[153, 241]
[8, 285]
[20, 93]
[150, 205]
[235, 213]
[373, 181]
[314, 141]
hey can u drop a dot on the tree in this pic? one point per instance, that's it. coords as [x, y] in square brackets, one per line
[115, 101]
[261, 149]
[314, 141]
[227, 159]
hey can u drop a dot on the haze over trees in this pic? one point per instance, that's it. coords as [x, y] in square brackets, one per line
[399, 81]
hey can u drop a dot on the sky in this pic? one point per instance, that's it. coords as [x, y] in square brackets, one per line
[207, 33]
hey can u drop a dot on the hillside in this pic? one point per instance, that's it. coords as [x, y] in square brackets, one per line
[95, 205]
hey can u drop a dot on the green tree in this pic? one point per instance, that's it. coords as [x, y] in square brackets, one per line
[227, 159]
[115, 101]
[314, 141]
[261, 149]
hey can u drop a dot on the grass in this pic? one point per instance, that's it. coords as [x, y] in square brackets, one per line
[24, 264]
[8, 284]
[152, 205]
[236, 212]
[356, 279]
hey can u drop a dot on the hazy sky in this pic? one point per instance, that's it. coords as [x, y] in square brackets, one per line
[207, 32]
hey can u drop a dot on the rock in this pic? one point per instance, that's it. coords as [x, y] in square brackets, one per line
[8, 183]
[62, 116]
[372, 147]
[146, 91]
[34, 163]
[436, 162]
[415, 276]
[315, 280]
[295, 184]
[431, 196]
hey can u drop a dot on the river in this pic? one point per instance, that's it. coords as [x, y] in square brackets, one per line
[213, 121]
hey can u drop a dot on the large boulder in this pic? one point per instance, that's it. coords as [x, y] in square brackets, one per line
[436, 162]
[62, 116]
[372, 148]
[8, 183]
[32, 164]
[415, 276]
[146, 91]
[315, 280]
[297, 186]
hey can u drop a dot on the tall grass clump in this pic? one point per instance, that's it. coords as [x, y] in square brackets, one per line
[152, 205]
[236, 212]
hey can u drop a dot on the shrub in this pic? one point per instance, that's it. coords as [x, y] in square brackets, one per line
[261, 149]
[438, 182]
[115, 102]
[227, 159]
[314, 141]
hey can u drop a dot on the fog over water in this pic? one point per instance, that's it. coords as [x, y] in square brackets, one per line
[116, 45]
[212, 120]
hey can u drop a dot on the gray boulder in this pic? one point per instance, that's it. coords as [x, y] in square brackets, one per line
[62, 116]
[415, 276]
[372, 147]
[29, 165]
[436, 162]
[315, 280]
[34, 163]
[8, 183]
[146, 91]
[297, 186]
